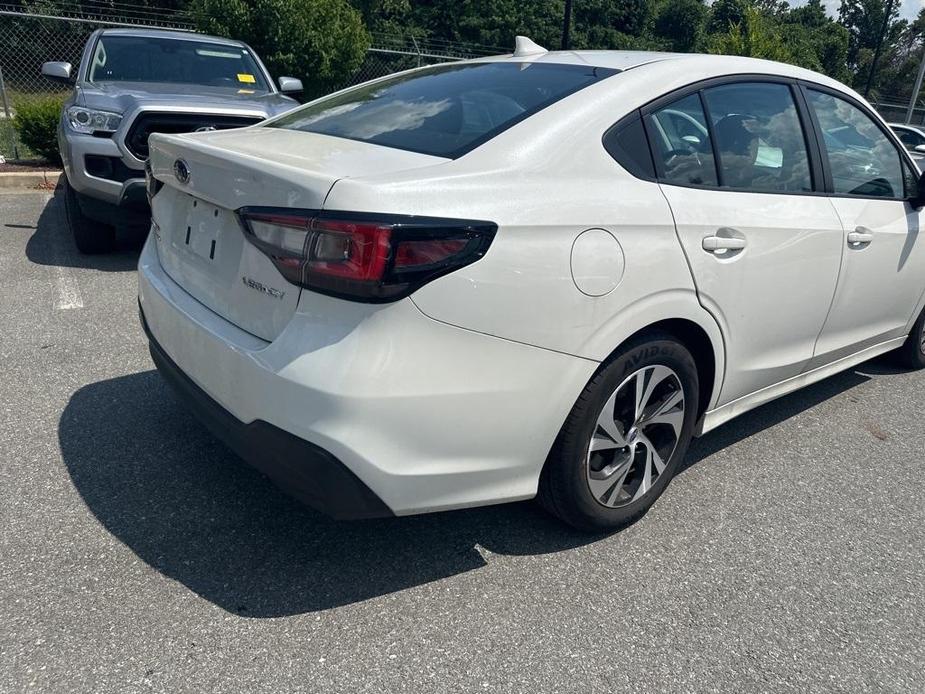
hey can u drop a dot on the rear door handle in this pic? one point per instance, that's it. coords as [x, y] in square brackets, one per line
[722, 243]
[860, 236]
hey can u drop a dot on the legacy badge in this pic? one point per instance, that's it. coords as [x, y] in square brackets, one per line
[269, 291]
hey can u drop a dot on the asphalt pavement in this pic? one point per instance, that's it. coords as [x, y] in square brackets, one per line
[138, 555]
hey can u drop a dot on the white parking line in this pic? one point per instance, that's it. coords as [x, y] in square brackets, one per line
[68, 289]
[68, 292]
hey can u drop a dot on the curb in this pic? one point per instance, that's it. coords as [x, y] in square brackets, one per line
[45, 180]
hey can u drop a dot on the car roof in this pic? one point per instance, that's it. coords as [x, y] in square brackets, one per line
[617, 60]
[907, 126]
[171, 34]
[626, 60]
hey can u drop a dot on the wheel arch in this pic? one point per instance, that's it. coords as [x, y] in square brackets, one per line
[697, 341]
[679, 314]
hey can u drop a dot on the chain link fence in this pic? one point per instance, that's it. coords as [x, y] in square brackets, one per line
[28, 40]
[893, 109]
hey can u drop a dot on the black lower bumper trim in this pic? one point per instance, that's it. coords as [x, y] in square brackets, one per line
[299, 468]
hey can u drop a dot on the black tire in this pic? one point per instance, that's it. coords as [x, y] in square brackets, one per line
[565, 489]
[912, 353]
[90, 236]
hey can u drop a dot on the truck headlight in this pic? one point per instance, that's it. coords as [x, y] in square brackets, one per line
[89, 121]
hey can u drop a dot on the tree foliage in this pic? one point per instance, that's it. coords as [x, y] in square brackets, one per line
[681, 23]
[321, 41]
[754, 36]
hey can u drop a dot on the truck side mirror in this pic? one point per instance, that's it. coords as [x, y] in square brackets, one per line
[57, 71]
[290, 85]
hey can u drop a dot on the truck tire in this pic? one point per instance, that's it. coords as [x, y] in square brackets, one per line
[91, 237]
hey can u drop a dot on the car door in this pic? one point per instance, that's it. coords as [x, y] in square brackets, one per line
[763, 248]
[883, 250]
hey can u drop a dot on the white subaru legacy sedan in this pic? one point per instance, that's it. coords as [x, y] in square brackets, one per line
[533, 275]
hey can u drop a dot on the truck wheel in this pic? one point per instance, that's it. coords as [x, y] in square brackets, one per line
[91, 236]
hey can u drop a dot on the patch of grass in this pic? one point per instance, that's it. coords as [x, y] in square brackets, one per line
[16, 97]
[7, 138]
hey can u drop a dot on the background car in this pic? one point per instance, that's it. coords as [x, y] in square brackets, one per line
[131, 83]
[540, 273]
[913, 138]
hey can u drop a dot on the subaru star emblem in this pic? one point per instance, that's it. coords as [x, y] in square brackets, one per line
[181, 171]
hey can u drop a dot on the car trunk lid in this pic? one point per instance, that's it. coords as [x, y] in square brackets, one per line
[207, 177]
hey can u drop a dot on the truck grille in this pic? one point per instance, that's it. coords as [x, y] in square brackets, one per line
[146, 123]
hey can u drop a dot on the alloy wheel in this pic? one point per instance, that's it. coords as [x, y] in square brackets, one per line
[635, 436]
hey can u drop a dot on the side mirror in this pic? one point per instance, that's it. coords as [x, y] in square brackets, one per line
[59, 72]
[920, 149]
[290, 85]
[918, 200]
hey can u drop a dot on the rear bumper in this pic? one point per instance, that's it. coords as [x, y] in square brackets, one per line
[425, 415]
[301, 469]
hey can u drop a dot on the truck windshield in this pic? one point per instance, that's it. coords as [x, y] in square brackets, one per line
[175, 61]
[443, 111]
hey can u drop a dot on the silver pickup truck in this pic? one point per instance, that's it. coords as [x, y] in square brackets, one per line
[134, 82]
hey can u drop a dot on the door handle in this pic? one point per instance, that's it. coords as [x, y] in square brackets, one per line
[722, 243]
[860, 236]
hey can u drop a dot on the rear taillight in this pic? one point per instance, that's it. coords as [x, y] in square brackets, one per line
[362, 256]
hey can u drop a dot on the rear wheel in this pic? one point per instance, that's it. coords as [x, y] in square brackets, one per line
[912, 353]
[91, 237]
[624, 438]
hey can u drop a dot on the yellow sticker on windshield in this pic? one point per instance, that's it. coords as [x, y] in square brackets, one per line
[246, 78]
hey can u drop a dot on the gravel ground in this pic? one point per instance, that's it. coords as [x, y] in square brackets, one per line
[138, 555]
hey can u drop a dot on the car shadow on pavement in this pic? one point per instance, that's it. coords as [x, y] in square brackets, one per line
[161, 484]
[52, 243]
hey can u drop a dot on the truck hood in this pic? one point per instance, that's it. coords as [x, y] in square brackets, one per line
[124, 97]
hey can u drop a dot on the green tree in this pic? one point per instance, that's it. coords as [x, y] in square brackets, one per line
[681, 23]
[816, 41]
[623, 16]
[755, 36]
[811, 15]
[864, 21]
[726, 13]
[899, 66]
[322, 42]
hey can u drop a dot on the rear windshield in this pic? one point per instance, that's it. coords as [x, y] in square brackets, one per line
[174, 61]
[445, 110]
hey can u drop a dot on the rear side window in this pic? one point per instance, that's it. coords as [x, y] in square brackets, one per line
[627, 143]
[445, 110]
[862, 159]
[758, 137]
[681, 143]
